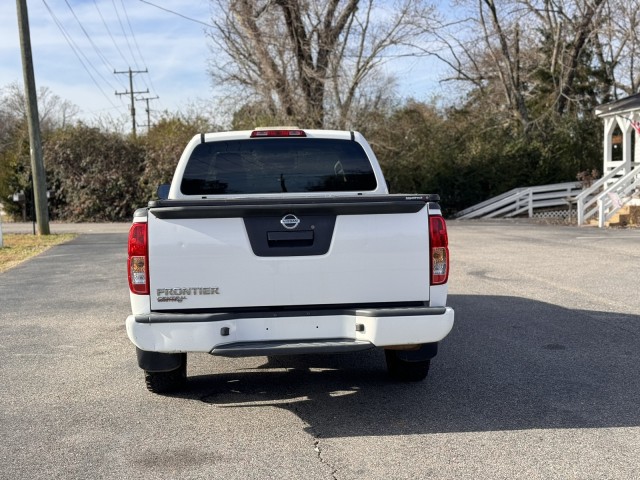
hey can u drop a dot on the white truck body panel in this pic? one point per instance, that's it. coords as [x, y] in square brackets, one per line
[216, 253]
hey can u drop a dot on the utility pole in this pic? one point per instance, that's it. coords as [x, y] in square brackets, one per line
[132, 93]
[146, 99]
[37, 164]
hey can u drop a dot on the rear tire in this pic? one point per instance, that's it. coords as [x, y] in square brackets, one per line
[167, 382]
[406, 371]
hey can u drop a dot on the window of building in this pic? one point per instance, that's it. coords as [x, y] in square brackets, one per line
[616, 144]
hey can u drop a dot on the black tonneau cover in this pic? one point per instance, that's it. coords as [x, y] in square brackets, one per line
[246, 207]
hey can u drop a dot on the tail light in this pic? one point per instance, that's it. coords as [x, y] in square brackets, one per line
[138, 265]
[439, 250]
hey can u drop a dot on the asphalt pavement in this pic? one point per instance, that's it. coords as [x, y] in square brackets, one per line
[539, 378]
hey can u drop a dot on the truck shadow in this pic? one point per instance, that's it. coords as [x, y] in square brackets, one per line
[510, 364]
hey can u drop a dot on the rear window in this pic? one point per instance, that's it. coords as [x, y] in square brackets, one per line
[275, 165]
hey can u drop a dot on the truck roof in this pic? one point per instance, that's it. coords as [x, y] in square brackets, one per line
[243, 134]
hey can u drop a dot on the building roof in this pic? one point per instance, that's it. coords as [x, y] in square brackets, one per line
[624, 105]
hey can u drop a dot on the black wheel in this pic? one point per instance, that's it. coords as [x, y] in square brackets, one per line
[404, 370]
[167, 382]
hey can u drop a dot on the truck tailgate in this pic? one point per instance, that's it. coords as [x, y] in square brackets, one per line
[226, 255]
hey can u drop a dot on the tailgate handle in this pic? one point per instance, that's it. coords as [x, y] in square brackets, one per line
[301, 238]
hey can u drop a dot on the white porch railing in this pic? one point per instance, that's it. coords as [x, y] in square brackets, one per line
[524, 200]
[586, 201]
[616, 195]
[607, 195]
[479, 206]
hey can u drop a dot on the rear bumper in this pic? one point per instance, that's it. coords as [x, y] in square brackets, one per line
[269, 333]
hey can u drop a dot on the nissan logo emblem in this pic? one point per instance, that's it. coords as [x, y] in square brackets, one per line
[290, 221]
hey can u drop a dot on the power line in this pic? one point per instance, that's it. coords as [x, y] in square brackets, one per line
[133, 35]
[178, 14]
[77, 51]
[87, 64]
[126, 37]
[109, 32]
[135, 42]
[86, 34]
[172, 12]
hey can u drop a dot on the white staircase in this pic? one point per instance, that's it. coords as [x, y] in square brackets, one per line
[606, 196]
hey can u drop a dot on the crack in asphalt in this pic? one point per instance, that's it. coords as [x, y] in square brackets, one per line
[316, 442]
[316, 447]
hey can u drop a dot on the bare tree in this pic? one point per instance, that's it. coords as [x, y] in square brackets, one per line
[548, 55]
[617, 46]
[312, 63]
[572, 26]
[485, 51]
[54, 111]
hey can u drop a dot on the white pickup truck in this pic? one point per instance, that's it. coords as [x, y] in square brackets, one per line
[284, 241]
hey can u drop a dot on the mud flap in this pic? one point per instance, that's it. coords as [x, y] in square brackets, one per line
[159, 362]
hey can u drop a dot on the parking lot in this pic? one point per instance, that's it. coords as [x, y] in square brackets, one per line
[539, 378]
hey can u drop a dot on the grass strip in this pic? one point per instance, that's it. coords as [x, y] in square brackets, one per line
[20, 247]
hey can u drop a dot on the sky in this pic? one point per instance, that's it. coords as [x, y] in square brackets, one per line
[77, 45]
